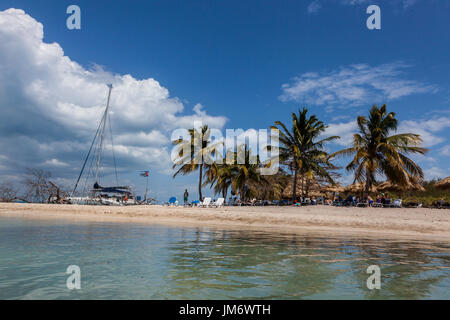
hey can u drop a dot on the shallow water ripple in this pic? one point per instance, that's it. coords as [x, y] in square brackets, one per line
[130, 261]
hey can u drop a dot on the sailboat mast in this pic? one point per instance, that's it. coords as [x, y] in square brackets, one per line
[102, 134]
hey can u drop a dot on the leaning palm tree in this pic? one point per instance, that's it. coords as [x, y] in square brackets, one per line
[223, 183]
[301, 148]
[274, 187]
[195, 153]
[375, 152]
[218, 176]
[246, 172]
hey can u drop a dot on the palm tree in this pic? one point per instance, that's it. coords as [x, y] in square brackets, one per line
[219, 177]
[246, 174]
[200, 154]
[273, 188]
[244, 177]
[300, 148]
[376, 152]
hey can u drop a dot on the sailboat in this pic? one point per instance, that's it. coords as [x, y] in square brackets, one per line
[98, 194]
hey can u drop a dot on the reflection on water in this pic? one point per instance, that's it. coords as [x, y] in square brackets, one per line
[127, 261]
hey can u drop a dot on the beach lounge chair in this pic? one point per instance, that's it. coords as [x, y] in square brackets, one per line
[218, 203]
[195, 203]
[206, 202]
[306, 202]
[397, 203]
[172, 201]
[377, 205]
[440, 204]
[363, 204]
[412, 205]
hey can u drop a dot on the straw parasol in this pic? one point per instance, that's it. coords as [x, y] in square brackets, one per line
[443, 184]
[313, 190]
[388, 186]
[333, 188]
[358, 187]
[316, 194]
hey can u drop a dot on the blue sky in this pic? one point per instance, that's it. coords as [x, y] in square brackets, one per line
[234, 64]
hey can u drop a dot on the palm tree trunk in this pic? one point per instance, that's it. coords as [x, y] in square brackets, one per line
[303, 185]
[200, 183]
[368, 185]
[294, 189]
[307, 187]
[224, 195]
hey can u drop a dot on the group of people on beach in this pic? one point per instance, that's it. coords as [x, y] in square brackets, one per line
[350, 200]
[353, 200]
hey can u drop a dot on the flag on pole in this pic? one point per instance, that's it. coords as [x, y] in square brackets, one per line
[144, 173]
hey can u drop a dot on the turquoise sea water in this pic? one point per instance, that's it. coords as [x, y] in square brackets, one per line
[131, 261]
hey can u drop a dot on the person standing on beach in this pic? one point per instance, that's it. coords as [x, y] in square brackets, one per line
[186, 196]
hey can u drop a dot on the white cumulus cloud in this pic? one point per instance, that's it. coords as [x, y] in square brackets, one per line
[345, 130]
[430, 130]
[51, 105]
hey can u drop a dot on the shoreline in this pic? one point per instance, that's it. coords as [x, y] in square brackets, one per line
[381, 223]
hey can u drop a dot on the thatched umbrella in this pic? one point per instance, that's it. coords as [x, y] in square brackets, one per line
[287, 192]
[337, 188]
[358, 188]
[313, 187]
[316, 193]
[388, 186]
[443, 184]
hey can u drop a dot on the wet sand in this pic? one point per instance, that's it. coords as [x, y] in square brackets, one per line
[421, 223]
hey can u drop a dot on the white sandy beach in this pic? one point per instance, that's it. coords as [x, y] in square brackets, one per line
[411, 224]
